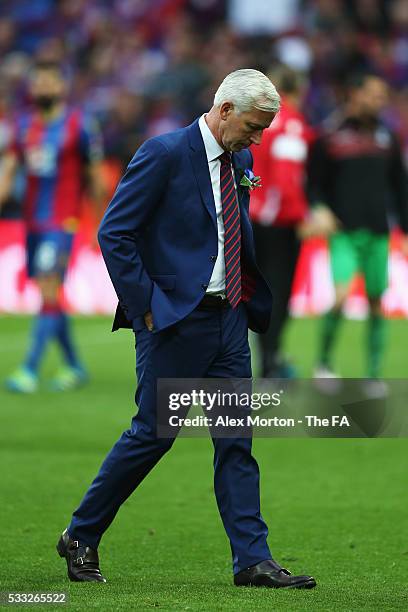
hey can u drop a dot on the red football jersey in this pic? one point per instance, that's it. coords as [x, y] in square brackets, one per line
[280, 161]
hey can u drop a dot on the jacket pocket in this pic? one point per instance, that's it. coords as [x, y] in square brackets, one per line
[166, 282]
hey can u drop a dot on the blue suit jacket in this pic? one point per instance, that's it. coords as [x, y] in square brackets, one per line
[159, 234]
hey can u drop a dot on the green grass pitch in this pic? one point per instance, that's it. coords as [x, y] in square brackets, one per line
[335, 508]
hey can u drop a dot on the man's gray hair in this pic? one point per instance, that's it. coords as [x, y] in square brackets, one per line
[248, 89]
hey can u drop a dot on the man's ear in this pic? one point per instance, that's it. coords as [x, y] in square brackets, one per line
[226, 109]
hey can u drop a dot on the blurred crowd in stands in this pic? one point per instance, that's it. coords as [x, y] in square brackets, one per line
[147, 66]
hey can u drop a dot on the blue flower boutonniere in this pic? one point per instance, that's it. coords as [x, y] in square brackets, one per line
[249, 180]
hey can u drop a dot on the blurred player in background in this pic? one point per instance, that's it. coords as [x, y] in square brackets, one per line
[357, 173]
[279, 211]
[60, 151]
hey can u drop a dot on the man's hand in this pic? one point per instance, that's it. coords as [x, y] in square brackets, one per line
[321, 222]
[324, 221]
[148, 319]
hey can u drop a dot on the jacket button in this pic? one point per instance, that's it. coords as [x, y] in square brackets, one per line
[204, 286]
[213, 258]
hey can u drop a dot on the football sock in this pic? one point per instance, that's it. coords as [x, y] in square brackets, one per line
[44, 329]
[330, 324]
[375, 344]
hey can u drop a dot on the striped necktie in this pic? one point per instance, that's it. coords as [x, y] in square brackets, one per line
[232, 232]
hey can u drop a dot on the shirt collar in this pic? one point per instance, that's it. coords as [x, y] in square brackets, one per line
[212, 148]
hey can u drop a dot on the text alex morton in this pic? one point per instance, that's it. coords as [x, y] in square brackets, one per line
[258, 421]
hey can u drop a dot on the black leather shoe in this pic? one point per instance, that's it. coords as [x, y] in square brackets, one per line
[82, 561]
[270, 574]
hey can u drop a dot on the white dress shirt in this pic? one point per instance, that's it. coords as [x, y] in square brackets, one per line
[213, 150]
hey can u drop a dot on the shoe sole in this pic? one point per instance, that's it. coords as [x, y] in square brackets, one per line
[310, 584]
[265, 582]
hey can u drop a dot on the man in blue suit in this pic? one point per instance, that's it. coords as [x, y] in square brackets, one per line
[178, 246]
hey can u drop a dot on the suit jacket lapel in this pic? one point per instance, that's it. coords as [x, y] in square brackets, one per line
[201, 171]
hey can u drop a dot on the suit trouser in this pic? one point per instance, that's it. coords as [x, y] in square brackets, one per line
[277, 253]
[211, 344]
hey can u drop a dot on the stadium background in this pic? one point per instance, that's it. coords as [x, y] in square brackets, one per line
[144, 67]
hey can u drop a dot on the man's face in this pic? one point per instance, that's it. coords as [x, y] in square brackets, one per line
[240, 130]
[373, 96]
[47, 87]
